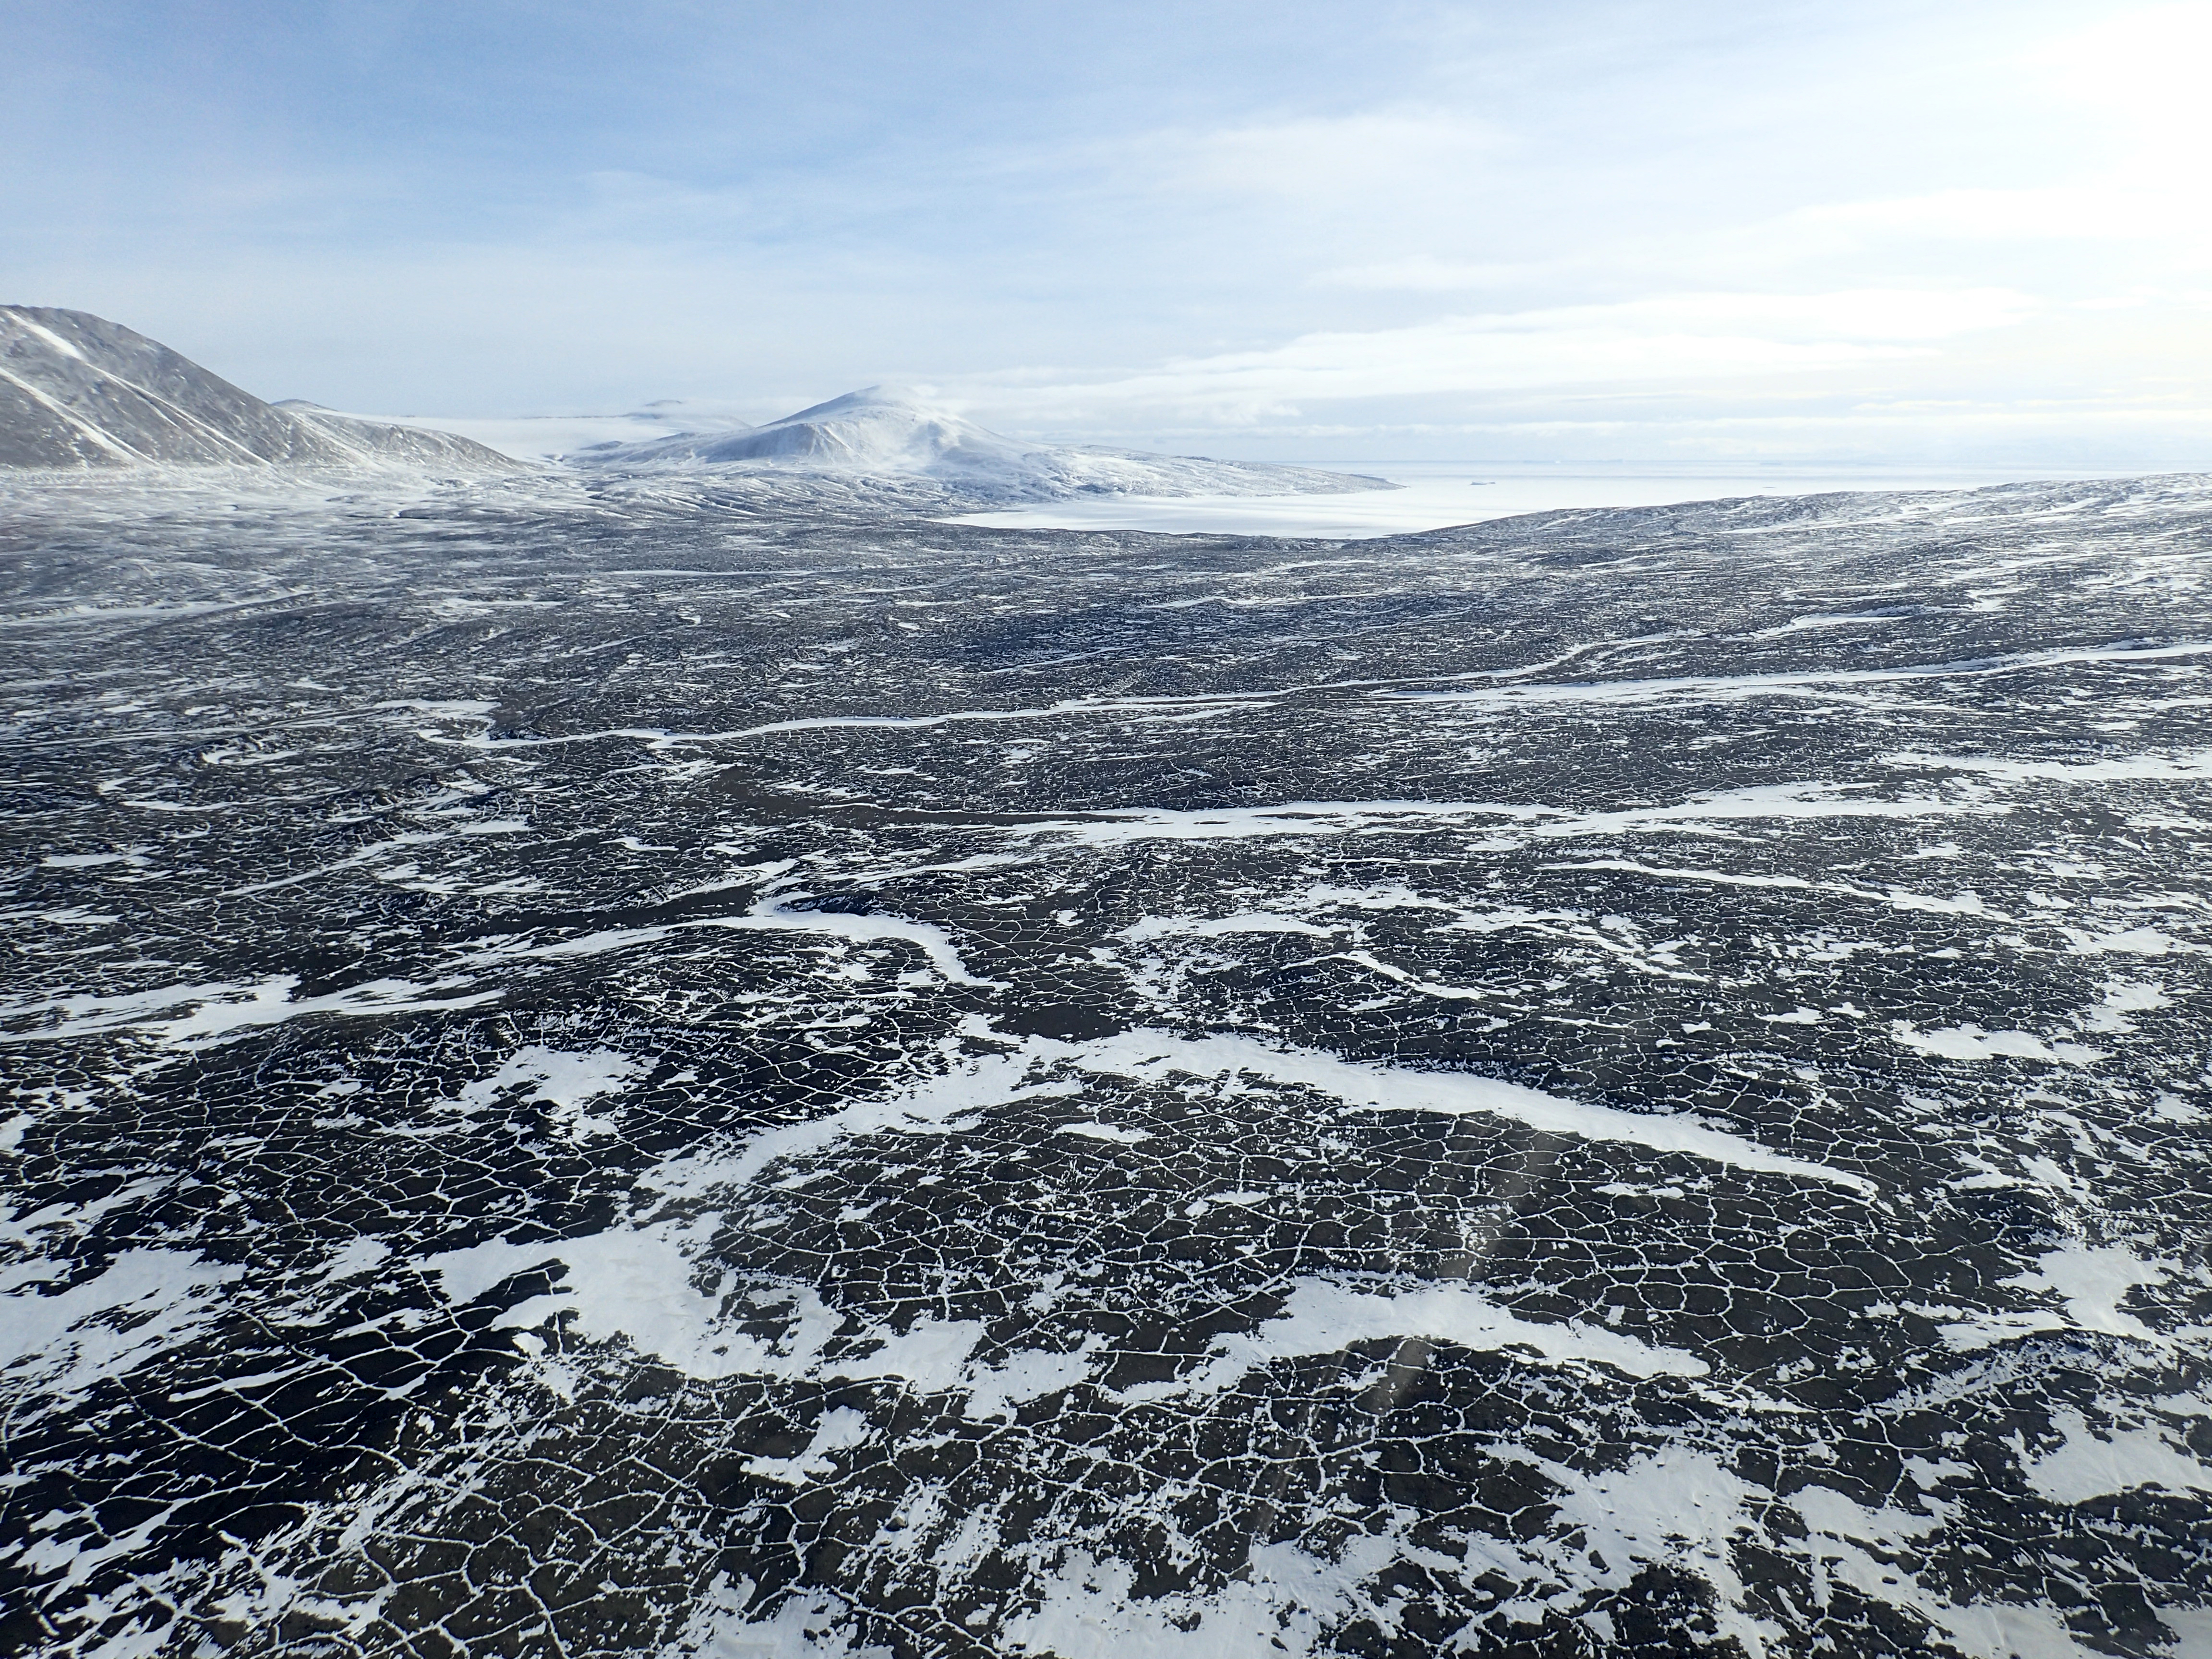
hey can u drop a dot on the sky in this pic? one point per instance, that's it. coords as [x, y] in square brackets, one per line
[1978, 232]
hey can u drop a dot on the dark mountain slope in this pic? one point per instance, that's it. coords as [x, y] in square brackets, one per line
[77, 390]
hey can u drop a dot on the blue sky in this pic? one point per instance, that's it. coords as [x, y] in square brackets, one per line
[1972, 232]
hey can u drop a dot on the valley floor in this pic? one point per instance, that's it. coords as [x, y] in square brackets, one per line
[595, 1072]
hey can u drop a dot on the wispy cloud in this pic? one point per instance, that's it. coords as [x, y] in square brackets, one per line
[1678, 339]
[1422, 273]
[1336, 161]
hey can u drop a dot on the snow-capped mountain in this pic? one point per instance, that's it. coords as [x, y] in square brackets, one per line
[888, 435]
[78, 391]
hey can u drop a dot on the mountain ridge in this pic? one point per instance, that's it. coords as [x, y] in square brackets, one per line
[888, 432]
[78, 393]
[81, 393]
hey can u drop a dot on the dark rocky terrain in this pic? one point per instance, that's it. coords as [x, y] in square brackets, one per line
[596, 1070]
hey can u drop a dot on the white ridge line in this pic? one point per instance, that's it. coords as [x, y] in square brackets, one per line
[826, 722]
[98, 436]
[1367, 1087]
[1976, 668]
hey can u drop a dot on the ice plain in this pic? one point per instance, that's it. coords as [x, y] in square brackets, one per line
[603, 1066]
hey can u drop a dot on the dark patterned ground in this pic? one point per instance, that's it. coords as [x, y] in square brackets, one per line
[595, 1074]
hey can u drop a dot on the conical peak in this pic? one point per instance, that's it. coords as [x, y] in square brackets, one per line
[902, 398]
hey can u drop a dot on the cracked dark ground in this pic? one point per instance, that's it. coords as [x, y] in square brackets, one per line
[593, 1072]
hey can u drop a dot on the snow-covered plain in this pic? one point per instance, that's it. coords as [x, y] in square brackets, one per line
[1435, 494]
[593, 1068]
